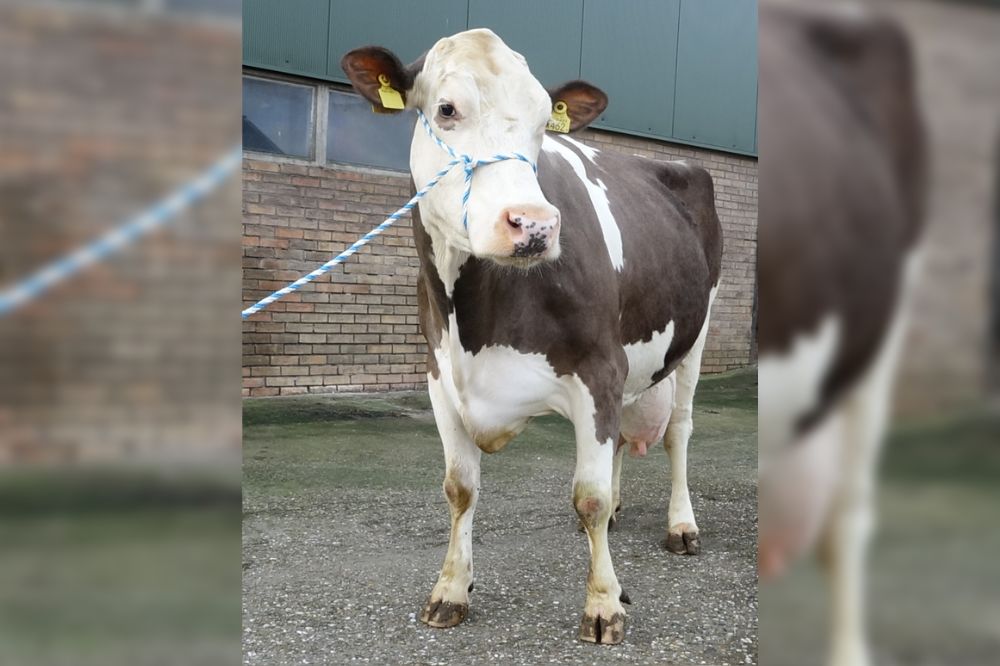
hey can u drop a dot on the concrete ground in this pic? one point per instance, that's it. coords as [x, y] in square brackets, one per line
[118, 566]
[345, 529]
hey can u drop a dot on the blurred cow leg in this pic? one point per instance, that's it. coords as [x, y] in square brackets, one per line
[844, 545]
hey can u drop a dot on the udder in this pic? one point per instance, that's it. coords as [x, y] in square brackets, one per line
[645, 420]
[795, 492]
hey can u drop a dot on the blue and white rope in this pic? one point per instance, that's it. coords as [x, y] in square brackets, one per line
[469, 163]
[120, 237]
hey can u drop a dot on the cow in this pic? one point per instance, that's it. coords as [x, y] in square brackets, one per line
[582, 289]
[841, 213]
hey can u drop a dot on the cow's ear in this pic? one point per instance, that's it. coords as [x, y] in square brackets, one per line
[367, 65]
[584, 102]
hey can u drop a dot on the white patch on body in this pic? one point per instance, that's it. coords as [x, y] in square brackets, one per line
[598, 199]
[788, 386]
[644, 360]
[499, 388]
[588, 152]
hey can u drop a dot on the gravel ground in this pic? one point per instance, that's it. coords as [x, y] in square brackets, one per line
[345, 529]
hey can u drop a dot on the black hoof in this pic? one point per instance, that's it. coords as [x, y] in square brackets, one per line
[606, 631]
[443, 614]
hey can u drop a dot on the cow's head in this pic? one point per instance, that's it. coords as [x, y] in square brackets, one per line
[480, 99]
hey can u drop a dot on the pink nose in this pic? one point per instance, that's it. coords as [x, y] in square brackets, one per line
[532, 229]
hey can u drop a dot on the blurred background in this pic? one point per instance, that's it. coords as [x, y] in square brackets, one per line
[119, 397]
[934, 585]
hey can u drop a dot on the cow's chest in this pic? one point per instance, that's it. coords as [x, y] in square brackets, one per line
[498, 389]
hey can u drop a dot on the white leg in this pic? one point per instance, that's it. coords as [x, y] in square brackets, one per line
[845, 544]
[616, 483]
[449, 601]
[603, 615]
[682, 530]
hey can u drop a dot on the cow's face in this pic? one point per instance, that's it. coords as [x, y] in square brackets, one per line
[480, 99]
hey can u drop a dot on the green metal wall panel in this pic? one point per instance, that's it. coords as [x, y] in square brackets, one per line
[680, 70]
[632, 57]
[286, 36]
[406, 28]
[716, 93]
[546, 33]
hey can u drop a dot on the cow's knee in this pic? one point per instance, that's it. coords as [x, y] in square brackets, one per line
[592, 505]
[459, 495]
[679, 429]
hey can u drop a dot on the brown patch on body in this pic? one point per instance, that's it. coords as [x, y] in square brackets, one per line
[459, 497]
[493, 442]
[844, 201]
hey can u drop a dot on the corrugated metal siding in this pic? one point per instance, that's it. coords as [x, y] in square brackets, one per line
[634, 62]
[681, 70]
[407, 28]
[286, 36]
[547, 34]
[716, 98]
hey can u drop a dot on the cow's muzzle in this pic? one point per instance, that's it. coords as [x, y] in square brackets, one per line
[533, 231]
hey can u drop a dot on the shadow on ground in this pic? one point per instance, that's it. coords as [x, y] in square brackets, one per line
[345, 528]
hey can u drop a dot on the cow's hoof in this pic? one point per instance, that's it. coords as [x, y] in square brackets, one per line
[683, 540]
[603, 630]
[443, 614]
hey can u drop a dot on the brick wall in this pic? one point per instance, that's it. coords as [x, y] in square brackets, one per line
[358, 329]
[104, 112]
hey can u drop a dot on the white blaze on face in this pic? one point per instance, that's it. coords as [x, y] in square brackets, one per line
[499, 108]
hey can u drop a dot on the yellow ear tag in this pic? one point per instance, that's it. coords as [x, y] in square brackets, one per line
[390, 97]
[559, 122]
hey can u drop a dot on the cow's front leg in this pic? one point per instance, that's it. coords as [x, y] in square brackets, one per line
[603, 615]
[616, 496]
[449, 601]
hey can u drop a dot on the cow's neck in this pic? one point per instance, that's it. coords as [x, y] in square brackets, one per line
[446, 257]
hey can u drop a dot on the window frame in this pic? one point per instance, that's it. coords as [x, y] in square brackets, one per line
[313, 127]
[320, 124]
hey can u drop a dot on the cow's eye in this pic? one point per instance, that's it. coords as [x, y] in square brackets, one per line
[447, 111]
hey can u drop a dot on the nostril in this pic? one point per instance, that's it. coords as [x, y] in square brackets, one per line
[514, 221]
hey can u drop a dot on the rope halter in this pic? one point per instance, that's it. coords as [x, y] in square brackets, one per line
[469, 164]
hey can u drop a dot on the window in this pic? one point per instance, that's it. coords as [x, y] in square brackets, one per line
[322, 124]
[277, 117]
[355, 135]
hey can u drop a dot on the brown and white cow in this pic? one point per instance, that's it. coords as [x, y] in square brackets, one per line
[599, 313]
[840, 219]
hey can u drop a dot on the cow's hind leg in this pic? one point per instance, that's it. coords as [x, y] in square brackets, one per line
[682, 530]
[845, 541]
[449, 601]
